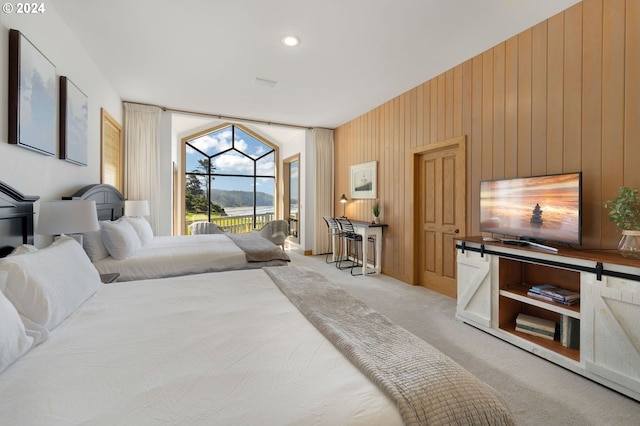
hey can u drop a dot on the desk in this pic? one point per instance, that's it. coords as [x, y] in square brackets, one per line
[367, 229]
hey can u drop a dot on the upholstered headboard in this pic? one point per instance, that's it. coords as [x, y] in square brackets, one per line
[109, 201]
[16, 218]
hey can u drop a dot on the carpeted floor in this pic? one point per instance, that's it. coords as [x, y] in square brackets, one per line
[538, 392]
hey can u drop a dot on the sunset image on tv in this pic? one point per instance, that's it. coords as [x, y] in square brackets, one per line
[543, 208]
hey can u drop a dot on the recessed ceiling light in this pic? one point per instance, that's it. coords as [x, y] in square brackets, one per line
[290, 40]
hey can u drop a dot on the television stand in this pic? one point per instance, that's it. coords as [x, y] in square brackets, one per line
[527, 243]
[597, 337]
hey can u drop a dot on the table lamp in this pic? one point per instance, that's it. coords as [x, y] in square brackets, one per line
[344, 200]
[70, 217]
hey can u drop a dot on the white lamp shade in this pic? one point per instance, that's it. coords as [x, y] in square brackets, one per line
[136, 208]
[67, 217]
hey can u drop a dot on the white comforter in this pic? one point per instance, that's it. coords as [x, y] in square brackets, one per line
[224, 348]
[172, 256]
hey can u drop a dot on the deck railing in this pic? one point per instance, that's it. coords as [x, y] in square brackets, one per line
[237, 224]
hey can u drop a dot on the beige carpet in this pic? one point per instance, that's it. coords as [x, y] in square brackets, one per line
[537, 392]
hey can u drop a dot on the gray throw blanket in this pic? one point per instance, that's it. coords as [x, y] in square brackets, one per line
[257, 248]
[428, 387]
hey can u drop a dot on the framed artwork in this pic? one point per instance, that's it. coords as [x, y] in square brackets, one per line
[74, 108]
[364, 180]
[32, 96]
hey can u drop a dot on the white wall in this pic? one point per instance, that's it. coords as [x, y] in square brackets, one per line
[33, 173]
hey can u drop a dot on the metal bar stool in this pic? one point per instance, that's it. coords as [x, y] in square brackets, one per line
[333, 231]
[351, 236]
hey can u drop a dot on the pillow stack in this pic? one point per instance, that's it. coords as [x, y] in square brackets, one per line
[38, 290]
[119, 239]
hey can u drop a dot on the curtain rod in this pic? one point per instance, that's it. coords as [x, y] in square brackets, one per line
[227, 117]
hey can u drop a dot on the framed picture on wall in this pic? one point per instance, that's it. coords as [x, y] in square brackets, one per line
[74, 106]
[32, 96]
[364, 180]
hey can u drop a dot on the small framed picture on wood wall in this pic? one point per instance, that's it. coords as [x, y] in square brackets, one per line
[364, 180]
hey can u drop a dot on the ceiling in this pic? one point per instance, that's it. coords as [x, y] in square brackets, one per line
[205, 55]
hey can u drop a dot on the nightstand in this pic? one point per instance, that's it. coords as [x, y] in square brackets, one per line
[109, 278]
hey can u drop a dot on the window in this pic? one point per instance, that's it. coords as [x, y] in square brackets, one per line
[111, 151]
[292, 194]
[230, 179]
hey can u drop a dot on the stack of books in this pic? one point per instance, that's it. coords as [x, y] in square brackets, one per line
[552, 293]
[536, 326]
[570, 332]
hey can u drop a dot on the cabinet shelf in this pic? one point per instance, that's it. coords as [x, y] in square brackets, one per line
[552, 345]
[520, 294]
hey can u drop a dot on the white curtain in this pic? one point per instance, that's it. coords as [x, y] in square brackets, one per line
[141, 156]
[323, 154]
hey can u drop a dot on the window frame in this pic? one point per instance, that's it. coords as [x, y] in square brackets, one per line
[181, 210]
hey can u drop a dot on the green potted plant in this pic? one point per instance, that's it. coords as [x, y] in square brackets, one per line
[375, 209]
[625, 212]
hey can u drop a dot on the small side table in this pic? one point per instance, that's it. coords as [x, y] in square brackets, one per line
[109, 278]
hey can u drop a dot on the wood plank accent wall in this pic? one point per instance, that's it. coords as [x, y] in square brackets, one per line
[562, 96]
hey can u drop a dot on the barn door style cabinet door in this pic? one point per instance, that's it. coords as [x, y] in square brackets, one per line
[610, 312]
[474, 288]
[597, 336]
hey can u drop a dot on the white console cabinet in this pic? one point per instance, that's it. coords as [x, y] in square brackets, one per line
[493, 280]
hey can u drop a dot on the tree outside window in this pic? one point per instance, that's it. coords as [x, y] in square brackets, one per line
[230, 179]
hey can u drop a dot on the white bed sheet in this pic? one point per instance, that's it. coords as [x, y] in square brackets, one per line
[223, 348]
[171, 256]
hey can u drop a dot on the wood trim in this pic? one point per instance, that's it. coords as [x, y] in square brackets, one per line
[460, 142]
[110, 143]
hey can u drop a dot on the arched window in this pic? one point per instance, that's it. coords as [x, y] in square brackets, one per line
[230, 178]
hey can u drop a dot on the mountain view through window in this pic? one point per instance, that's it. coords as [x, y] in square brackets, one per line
[229, 179]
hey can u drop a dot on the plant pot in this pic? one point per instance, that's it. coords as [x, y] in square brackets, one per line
[376, 219]
[629, 245]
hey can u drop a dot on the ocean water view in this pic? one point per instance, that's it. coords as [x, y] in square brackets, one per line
[248, 210]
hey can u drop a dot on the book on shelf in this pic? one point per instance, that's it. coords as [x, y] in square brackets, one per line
[539, 288]
[570, 332]
[553, 293]
[536, 326]
[540, 296]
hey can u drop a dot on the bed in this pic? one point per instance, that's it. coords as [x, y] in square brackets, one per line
[264, 346]
[115, 248]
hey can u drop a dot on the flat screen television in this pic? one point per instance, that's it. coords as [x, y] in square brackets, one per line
[536, 209]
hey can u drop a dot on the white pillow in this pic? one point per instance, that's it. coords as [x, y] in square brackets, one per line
[93, 245]
[142, 227]
[120, 239]
[23, 249]
[14, 341]
[48, 285]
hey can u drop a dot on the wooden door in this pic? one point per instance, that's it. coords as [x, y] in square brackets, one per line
[440, 202]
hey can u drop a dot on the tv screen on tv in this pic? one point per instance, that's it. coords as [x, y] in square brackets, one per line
[538, 208]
